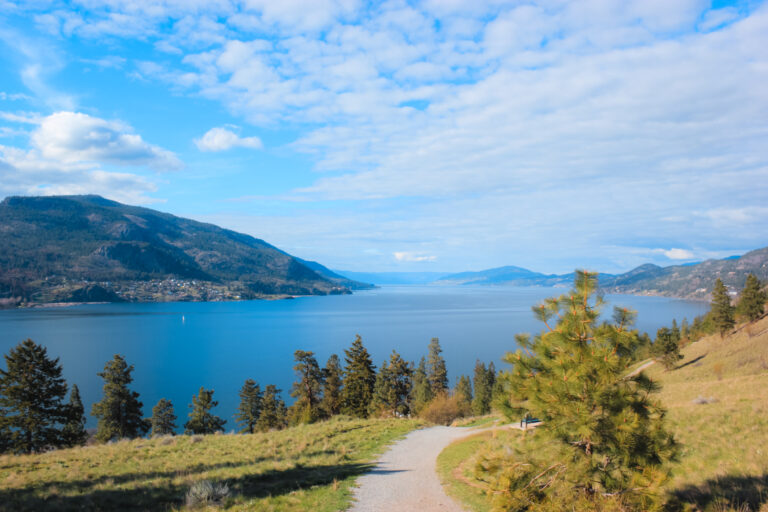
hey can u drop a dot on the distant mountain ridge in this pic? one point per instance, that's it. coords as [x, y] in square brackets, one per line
[694, 281]
[65, 248]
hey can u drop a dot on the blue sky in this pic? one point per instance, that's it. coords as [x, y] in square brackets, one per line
[442, 135]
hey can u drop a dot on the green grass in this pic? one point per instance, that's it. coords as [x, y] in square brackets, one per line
[724, 460]
[311, 467]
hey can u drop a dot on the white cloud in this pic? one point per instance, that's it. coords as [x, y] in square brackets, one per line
[222, 139]
[677, 254]
[71, 137]
[413, 257]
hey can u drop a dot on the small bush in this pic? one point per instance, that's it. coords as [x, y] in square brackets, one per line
[444, 409]
[195, 439]
[204, 493]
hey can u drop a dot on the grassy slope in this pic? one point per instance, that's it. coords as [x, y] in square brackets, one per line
[725, 443]
[311, 467]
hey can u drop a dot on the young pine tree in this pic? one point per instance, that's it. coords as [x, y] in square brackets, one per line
[272, 410]
[119, 411]
[201, 420]
[753, 298]
[163, 419]
[611, 433]
[421, 391]
[464, 390]
[73, 433]
[359, 379]
[721, 310]
[307, 390]
[31, 394]
[684, 330]
[332, 374]
[676, 334]
[249, 410]
[666, 348]
[436, 371]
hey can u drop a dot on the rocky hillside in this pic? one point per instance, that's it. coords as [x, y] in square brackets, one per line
[70, 248]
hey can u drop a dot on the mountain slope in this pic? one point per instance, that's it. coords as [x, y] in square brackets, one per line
[48, 243]
[508, 275]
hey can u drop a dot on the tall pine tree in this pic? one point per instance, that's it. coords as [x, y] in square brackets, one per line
[201, 419]
[359, 379]
[721, 310]
[31, 394]
[436, 370]
[307, 390]
[74, 433]
[753, 298]
[421, 391]
[163, 419]
[272, 410]
[610, 431]
[481, 403]
[249, 410]
[332, 374]
[464, 390]
[119, 411]
[393, 385]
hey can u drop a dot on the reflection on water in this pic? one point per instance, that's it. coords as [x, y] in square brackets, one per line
[178, 347]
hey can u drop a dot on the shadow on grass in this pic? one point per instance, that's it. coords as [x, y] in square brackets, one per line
[731, 490]
[144, 492]
[692, 361]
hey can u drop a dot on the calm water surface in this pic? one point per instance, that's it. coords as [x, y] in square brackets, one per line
[178, 347]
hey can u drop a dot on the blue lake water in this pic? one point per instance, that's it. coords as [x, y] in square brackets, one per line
[178, 347]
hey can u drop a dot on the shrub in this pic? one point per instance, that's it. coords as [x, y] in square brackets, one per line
[443, 409]
[205, 493]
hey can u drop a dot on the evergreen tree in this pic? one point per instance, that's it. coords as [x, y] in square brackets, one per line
[684, 330]
[393, 385]
[74, 433]
[753, 298]
[201, 420]
[163, 419]
[359, 379]
[464, 389]
[119, 411]
[272, 410]
[421, 391]
[609, 430]
[332, 374]
[307, 390]
[249, 410]
[436, 371]
[31, 394]
[675, 331]
[5, 432]
[483, 384]
[721, 310]
[666, 348]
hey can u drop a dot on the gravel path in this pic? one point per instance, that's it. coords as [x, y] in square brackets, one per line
[405, 478]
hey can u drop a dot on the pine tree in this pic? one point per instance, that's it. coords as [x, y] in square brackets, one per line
[5, 432]
[272, 410]
[721, 310]
[359, 379]
[332, 373]
[74, 433]
[573, 376]
[307, 390]
[421, 391]
[393, 385]
[753, 299]
[675, 330]
[201, 420]
[436, 371]
[464, 390]
[31, 394]
[684, 330]
[666, 348]
[163, 419]
[119, 411]
[483, 384]
[249, 410]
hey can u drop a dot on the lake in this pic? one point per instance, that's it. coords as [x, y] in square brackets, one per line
[178, 347]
